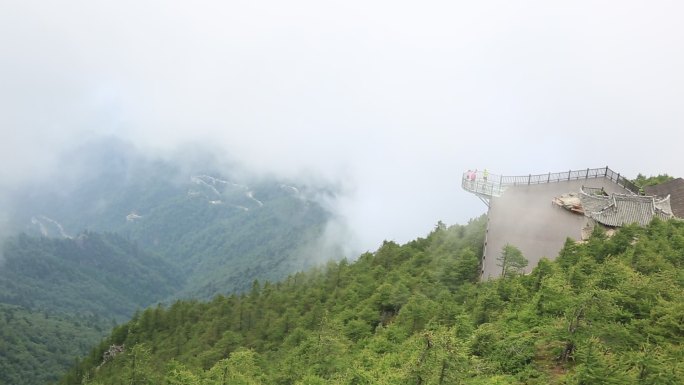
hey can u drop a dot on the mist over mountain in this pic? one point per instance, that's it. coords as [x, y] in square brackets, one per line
[113, 229]
[58, 296]
[606, 311]
[228, 142]
[91, 275]
[193, 207]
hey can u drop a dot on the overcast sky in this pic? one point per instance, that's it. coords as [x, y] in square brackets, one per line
[394, 98]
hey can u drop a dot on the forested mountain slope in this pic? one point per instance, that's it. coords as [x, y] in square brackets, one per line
[114, 230]
[219, 224]
[58, 297]
[607, 311]
[36, 346]
[92, 274]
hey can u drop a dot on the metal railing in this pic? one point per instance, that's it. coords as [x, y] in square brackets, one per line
[491, 185]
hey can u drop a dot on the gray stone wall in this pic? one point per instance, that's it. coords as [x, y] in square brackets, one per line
[525, 217]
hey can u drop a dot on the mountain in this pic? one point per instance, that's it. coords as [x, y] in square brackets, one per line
[58, 297]
[608, 310]
[36, 347]
[224, 235]
[220, 225]
[115, 230]
[91, 274]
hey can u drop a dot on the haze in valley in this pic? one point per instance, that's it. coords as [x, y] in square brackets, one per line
[389, 101]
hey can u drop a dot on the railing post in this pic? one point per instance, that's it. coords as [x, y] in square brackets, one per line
[587, 176]
[606, 172]
[548, 179]
[569, 172]
[529, 178]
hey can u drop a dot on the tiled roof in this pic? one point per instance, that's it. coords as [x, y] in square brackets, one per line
[620, 210]
[673, 188]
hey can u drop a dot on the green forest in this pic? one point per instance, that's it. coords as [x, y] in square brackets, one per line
[59, 297]
[84, 253]
[93, 274]
[37, 346]
[607, 311]
[201, 268]
[220, 229]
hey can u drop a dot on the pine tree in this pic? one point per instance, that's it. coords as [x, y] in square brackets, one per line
[511, 261]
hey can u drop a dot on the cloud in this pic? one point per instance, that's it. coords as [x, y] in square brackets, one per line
[392, 99]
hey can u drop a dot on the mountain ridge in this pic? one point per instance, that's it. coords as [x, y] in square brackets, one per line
[74, 245]
[605, 311]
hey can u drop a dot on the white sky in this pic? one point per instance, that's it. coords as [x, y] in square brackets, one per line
[393, 98]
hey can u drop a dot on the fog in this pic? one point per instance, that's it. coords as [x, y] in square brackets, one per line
[392, 101]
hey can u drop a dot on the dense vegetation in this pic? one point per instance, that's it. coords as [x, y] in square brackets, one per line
[222, 249]
[37, 346]
[118, 231]
[608, 311]
[58, 297]
[91, 275]
[221, 226]
[154, 229]
[643, 181]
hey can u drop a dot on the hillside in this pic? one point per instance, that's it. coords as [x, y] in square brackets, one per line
[607, 311]
[36, 346]
[115, 230]
[220, 225]
[58, 297]
[100, 274]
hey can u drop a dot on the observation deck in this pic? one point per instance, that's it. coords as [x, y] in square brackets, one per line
[486, 185]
